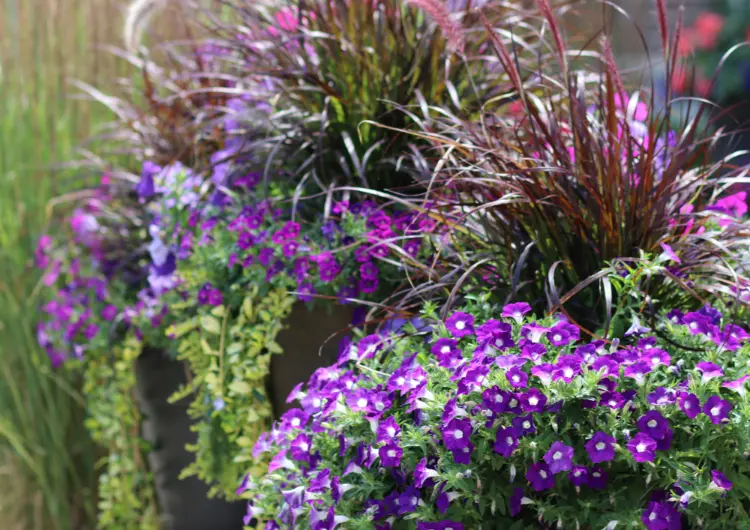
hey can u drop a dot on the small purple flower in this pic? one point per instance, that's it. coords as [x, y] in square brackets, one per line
[422, 473]
[661, 516]
[612, 400]
[709, 371]
[637, 371]
[447, 352]
[495, 399]
[642, 447]
[661, 397]
[390, 454]
[676, 316]
[578, 476]
[109, 313]
[516, 311]
[517, 377]
[408, 501]
[720, 481]
[689, 404]
[540, 476]
[654, 424]
[516, 502]
[656, 356]
[388, 430]
[696, 323]
[670, 253]
[559, 457]
[597, 478]
[738, 385]
[601, 447]
[533, 400]
[524, 425]
[463, 455]
[717, 410]
[460, 324]
[457, 434]
[300, 447]
[559, 336]
[506, 441]
[543, 372]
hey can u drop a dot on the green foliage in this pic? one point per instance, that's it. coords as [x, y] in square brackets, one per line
[126, 495]
[228, 353]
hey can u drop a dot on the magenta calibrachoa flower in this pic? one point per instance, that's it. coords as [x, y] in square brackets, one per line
[462, 417]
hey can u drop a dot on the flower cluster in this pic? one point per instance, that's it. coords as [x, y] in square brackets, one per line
[492, 414]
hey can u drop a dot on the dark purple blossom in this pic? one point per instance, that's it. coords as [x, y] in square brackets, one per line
[517, 378]
[601, 447]
[578, 476]
[533, 400]
[516, 311]
[654, 424]
[457, 434]
[717, 410]
[642, 447]
[515, 502]
[709, 371]
[460, 324]
[689, 404]
[720, 481]
[506, 441]
[540, 476]
[559, 457]
[597, 478]
[390, 454]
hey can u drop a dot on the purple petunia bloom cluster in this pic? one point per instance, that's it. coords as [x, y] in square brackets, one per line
[500, 407]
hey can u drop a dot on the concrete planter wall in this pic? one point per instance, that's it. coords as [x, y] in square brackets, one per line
[301, 341]
[184, 504]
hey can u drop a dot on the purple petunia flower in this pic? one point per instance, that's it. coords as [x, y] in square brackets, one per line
[533, 400]
[654, 424]
[661, 516]
[524, 425]
[559, 336]
[559, 457]
[662, 397]
[612, 400]
[540, 476]
[463, 455]
[670, 253]
[567, 368]
[516, 311]
[517, 377]
[390, 455]
[720, 481]
[516, 501]
[578, 476]
[738, 385]
[709, 371]
[457, 434]
[696, 323]
[642, 447]
[717, 410]
[676, 316]
[422, 473]
[495, 399]
[597, 478]
[637, 371]
[300, 448]
[689, 404]
[656, 356]
[460, 324]
[447, 353]
[506, 441]
[388, 430]
[601, 447]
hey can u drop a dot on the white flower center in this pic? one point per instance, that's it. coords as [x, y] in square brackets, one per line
[557, 337]
[316, 402]
[445, 350]
[516, 378]
[715, 411]
[295, 422]
[458, 434]
[362, 403]
[460, 325]
[655, 360]
[640, 447]
[380, 405]
[543, 474]
[509, 440]
[600, 446]
[652, 423]
[557, 456]
[391, 431]
[304, 446]
[400, 381]
[391, 453]
[498, 398]
[513, 403]
[526, 425]
[568, 372]
[686, 404]
[533, 401]
[693, 325]
[596, 474]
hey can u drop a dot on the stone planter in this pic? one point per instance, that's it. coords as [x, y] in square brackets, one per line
[184, 504]
[301, 341]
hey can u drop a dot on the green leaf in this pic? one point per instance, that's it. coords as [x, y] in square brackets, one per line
[210, 324]
[240, 387]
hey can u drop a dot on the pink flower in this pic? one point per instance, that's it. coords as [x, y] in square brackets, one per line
[670, 253]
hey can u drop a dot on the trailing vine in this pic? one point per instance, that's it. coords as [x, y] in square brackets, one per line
[126, 493]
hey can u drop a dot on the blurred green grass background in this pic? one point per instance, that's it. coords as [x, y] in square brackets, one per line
[47, 460]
